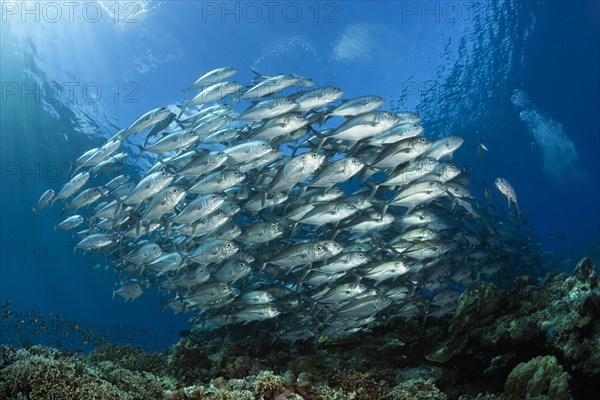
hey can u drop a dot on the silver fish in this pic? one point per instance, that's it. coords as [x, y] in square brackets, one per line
[71, 222]
[356, 106]
[43, 201]
[71, 187]
[149, 186]
[212, 76]
[507, 191]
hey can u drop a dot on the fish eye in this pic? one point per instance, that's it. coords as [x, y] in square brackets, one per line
[453, 168]
[348, 205]
[314, 155]
[361, 254]
[243, 264]
[423, 140]
[264, 145]
[236, 173]
[213, 197]
[228, 244]
[354, 161]
[319, 248]
[219, 213]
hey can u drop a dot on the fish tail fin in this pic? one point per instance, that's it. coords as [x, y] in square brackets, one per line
[353, 149]
[118, 200]
[149, 135]
[409, 209]
[183, 107]
[304, 275]
[313, 305]
[34, 213]
[383, 211]
[142, 151]
[137, 219]
[335, 233]
[453, 202]
[481, 144]
[257, 75]
[294, 148]
[364, 171]
[303, 188]
[383, 206]
[320, 136]
[164, 305]
[261, 269]
[374, 187]
[357, 276]
[167, 222]
[322, 119]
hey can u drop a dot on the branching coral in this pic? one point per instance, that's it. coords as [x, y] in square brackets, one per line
[268, 384]
[198, 392]
[45, 374]
[416, 389]
[47, 377]
[129, 357]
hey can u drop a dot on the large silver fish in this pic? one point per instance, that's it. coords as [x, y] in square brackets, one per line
[325, 216]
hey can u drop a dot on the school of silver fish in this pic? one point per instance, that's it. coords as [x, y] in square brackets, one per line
[280, 201]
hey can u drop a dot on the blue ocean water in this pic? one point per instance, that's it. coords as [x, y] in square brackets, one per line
[523, 76]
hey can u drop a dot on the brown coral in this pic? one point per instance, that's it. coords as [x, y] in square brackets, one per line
[416, 389]
[538, 378]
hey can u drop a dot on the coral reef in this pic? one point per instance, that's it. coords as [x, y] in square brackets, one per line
[40, 373]
[499, 328]
[268, 384]
[471, 354]
[129, 357]
[416, 389]
[538, 340]
[540, 378]
[45, 374]
[198, 392]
